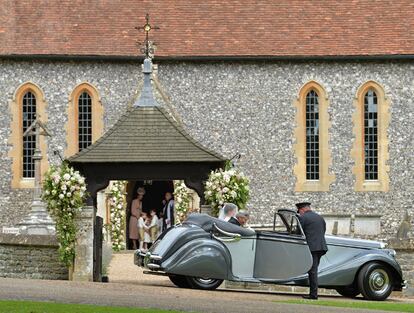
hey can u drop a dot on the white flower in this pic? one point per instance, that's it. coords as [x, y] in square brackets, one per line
[66, 176]
[68, 194]
[61, 196]
[81, 180]
[47, 192]
[83, 188]
[119, 206]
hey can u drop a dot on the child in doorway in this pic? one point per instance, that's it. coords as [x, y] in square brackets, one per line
[141, 231]
[151, 228]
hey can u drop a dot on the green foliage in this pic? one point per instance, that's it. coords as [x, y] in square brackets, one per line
[117, 205]
[49, 307]
[182, 198]
[64, 191]
[227, 185]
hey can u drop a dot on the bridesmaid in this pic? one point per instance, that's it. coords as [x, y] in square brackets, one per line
[136, 210]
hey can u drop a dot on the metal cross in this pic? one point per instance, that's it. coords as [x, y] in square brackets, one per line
[147, 47]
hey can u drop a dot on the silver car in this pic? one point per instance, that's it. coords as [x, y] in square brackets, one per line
[204, 251]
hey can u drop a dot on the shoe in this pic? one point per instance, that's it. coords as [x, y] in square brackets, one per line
[310, 297]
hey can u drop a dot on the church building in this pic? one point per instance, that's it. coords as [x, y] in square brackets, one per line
[317, 97]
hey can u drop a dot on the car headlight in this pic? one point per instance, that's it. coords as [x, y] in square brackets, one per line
[391, 252]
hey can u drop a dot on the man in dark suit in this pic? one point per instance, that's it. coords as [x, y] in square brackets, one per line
[314, 227]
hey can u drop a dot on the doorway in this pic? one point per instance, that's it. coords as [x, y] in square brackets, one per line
[154, 195]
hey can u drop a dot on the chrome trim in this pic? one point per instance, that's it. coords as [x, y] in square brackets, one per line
[293, 240]
[225, 232]
[153, 266]
[155, 257]
[234, 239]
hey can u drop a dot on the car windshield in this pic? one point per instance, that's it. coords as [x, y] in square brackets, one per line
[287, 223]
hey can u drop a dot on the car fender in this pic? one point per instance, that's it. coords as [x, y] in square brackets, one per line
[201, 258]
[345, 273]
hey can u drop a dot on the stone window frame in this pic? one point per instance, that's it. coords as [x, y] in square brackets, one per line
[325, 161]
[71, 126]
[16, 134]
[357, 152]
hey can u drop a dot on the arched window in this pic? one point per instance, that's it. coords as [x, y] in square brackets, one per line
[371, 135]
[29, 142]
[370, 149]
[85, 118]
[28, 103]
[312, 136]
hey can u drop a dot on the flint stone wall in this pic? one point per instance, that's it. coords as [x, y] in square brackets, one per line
[405, 257]
[237, 107]
[23, 256]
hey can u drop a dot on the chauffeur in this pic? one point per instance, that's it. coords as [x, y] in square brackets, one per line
[314, 228]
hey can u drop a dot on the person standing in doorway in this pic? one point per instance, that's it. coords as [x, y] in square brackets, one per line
[136, 210]
[168, 211]
[314, 227]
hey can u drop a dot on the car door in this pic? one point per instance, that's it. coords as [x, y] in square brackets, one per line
[242, 250]
[283, 253]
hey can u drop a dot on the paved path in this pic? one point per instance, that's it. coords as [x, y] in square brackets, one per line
[129, 287]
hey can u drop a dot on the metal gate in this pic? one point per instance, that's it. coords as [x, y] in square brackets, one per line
[97, 249]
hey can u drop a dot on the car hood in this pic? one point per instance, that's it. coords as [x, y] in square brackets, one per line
[356, 243]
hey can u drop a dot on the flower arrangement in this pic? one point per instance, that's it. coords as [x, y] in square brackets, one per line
[182, 197]
[117, 205]
[226, 185]
[64, 191]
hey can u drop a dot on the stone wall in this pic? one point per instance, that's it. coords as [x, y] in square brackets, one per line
[36, 257]
[238, 107]
[405, 257]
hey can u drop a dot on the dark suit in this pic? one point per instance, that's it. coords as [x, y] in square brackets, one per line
[234, 221]
[314, 227]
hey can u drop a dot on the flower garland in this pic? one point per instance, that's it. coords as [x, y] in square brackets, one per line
[227, 185]
[182, 199]
[64, 191]
[117, 205]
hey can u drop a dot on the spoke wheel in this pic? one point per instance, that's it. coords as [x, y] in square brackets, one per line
[375, 281]
[204, 283]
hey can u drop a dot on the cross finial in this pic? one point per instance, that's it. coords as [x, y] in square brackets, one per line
[147, 47]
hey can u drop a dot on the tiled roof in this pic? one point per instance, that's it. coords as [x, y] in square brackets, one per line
[210, 28]
[146, 134]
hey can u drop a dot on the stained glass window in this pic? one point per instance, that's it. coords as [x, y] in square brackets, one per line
[84, 121]
[29, 142]
[371, 135]
[312, 136]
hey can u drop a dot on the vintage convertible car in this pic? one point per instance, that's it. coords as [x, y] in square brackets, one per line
[204, 251]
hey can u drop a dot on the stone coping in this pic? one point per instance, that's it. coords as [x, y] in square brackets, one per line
[401, 244]
[28, 240]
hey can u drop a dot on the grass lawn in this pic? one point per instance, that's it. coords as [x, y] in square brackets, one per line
[50, 307]
[370, 305]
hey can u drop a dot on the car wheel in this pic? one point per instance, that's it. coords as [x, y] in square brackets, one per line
[179, 281]
[203, 283]
[348, 291]
[375, 282]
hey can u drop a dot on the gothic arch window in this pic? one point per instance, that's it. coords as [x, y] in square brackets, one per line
[370, 149]
[85, 118]
[312, 138]
[27, 103]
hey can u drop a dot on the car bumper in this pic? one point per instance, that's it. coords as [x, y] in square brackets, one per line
[147, 260]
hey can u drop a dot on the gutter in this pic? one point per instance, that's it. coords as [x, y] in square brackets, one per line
[226, 58]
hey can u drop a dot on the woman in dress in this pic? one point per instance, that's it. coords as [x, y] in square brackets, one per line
[136, 209]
